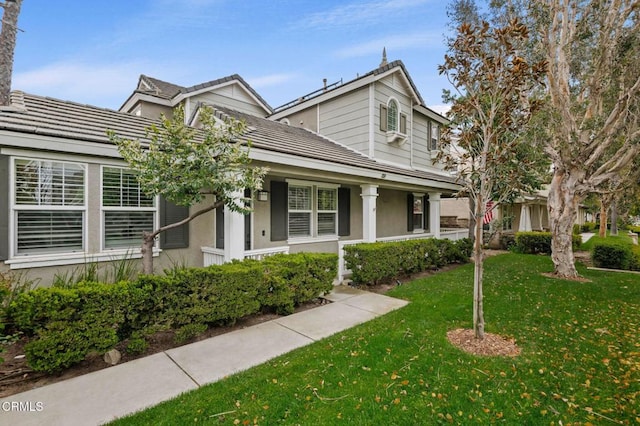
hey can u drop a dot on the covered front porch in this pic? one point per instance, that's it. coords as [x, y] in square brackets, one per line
[323, 215]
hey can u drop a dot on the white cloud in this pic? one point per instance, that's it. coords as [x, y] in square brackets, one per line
[392, 43]
[441, 109]
[367, 12]
[79, 82]
[270, 80]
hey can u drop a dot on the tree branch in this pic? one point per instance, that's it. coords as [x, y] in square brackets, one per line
[187, 219]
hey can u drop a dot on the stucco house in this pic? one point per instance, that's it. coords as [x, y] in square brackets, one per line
[348, 163]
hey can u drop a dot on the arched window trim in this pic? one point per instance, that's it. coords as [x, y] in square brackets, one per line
[393, 115]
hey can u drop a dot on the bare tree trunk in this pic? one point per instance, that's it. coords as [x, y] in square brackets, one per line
[8, 46]
[562, 206]
[148, 239]
[478, 310]
[472, 220]
[614, 218]
[602, 233]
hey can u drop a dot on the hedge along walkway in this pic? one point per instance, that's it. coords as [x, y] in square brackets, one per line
[114, 392]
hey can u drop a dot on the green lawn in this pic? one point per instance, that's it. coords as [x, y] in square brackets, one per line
[622, 237]
[580, 360]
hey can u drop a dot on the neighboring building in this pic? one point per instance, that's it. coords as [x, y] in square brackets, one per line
[526, 213]
[349, 163]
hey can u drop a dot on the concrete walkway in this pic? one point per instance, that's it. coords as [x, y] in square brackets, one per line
[586, 235]
[104, 395]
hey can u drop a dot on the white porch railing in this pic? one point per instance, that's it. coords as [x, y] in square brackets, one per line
[451, 234]
[260, 254]
[215, 256]
[212, 256]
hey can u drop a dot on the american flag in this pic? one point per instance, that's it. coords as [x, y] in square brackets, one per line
[488, 216]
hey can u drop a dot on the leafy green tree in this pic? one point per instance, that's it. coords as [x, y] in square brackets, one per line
[486, 142]
[188, 166]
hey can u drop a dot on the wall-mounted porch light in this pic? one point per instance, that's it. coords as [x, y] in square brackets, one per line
[263, 196]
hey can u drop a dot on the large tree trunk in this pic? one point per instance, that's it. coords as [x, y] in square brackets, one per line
[8, 46]
[478, 310]
[603, 219]
[614, 218]
[563, 207]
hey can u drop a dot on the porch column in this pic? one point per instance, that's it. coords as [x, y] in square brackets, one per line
[369, 195]
[525, 219]
[234, 232]
[434, 214]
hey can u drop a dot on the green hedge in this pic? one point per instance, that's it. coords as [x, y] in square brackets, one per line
[371, 263]
[616, 255]
[539, 242]
[66, 324]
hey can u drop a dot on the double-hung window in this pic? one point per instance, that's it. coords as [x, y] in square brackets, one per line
[327, 210]
[300, 211]
[434, 136]
[312, 210]
[49, 206]
[126, 210]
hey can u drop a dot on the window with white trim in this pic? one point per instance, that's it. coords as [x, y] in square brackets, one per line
[434, 136]
[327, 205]
[312, 210]
[418, 212]
[126, 210]
[300, 211]
[392, 116]
[49, 206]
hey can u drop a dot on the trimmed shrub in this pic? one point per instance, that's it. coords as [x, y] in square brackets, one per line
[371, 263]
[189, 331]
[613, 255]
[507, 241]
[588, 227]
[293, 279]
[66, 324]
[539, 242]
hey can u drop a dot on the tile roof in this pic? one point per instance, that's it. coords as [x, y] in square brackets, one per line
[279, 137]
[166, 90]
[380, 70]
[52, 117]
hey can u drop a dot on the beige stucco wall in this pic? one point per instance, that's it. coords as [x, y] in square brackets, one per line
[391, 213]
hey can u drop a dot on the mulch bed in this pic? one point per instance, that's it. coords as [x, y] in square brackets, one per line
[491, 345]
[16, 376]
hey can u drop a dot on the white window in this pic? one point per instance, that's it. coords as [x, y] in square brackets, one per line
[300, 211]
[392, 116]
[49, 206]
[434, 136]
[327, 210]
[418, 212]
[313, 210]
[126, 210]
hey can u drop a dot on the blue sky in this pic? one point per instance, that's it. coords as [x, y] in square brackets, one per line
[94, 51]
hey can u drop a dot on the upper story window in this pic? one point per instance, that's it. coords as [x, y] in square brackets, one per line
[49, 206]
[126, 210]
[392, 116]
[393, 122]
[434, 136]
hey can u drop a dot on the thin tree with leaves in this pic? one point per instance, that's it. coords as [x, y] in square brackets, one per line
[485, 144]
[188, 166]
